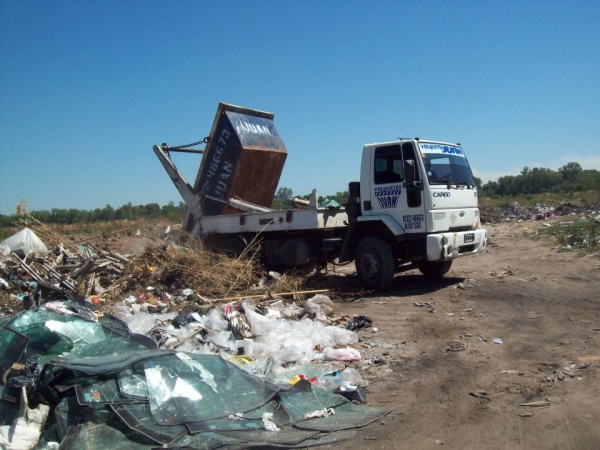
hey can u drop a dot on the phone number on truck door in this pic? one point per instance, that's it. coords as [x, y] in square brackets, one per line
[413, 221]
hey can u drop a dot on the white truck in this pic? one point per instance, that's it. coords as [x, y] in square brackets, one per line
[415, 207]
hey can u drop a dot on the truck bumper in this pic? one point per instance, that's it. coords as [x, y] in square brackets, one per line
[445, 246]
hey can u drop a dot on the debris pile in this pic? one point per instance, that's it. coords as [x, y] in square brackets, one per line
[142, 352]
[516, 212]
[570, 371]
[109, 386]
[30, 270]
[582, 234]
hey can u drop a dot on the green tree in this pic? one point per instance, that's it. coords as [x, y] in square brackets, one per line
[284, 193]
[589, 179]
[152, 210]
[505, 184]
[341, 197]
[126, 212]
[490, 189]
[171, 211]
[570, 171]
[8, 221]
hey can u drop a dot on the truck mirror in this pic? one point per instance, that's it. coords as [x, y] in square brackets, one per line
[409, 171]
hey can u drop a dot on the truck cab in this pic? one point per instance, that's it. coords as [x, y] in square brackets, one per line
[415, 207]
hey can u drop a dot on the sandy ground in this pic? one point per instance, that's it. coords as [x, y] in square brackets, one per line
[544, 306]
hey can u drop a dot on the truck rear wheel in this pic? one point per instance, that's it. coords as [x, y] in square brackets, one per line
[435, 269]
[232, 246]
[374, 263]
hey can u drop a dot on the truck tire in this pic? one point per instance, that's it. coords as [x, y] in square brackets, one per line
[435, 269]
[374, 263]
[232, 246]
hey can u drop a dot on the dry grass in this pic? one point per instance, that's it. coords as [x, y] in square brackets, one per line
[49, 235]
[214, 276]
[54, 234]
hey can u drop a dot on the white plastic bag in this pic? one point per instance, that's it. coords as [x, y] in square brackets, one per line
[341, 354]
[216, 321]
[25, 241]
[293, 341]
[223, 339]
[324, 303]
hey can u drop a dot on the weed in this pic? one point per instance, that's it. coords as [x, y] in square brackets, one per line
[582, 233]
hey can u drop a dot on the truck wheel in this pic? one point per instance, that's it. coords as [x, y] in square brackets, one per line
[374, 263]
[435, 269]
[232, 246]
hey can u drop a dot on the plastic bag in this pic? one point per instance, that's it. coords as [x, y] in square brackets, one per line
[293, 341]
[352, 377]
[314, 310]
[223, 339]
[324, 303]
[143, 322]
[182, 320]
[341, 354]
[216, 321]
[359, 322]
[25, 241]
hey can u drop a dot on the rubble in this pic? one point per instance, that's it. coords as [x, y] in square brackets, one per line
[516, 212]
[161, 365]
[107, 383]
[32, 272]
[570, 371]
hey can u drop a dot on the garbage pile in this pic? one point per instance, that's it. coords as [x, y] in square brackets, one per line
[85, 381]
[516, 212]
[141, 373]
[28, 268]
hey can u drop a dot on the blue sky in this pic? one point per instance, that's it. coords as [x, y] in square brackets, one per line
[86, 88]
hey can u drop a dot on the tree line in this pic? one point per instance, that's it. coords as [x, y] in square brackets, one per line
[569, 178]
[108, 213]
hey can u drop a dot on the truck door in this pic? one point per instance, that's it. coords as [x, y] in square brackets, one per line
[389, 193]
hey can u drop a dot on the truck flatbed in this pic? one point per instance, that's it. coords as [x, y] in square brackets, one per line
[290, 220]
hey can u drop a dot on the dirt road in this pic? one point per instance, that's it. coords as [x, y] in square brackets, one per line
[544, 306]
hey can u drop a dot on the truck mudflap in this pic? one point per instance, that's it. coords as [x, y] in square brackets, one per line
[445, 246]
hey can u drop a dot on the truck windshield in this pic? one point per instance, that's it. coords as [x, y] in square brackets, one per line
[446, 165]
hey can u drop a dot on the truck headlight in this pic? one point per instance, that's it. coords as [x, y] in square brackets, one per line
[439, 215]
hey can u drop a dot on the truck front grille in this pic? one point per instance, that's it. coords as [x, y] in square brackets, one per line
[457, 229]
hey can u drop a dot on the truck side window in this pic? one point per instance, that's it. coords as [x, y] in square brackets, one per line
[413, 193]
[388, 165]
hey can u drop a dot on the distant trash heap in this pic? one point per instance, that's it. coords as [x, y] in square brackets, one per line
[516, 212]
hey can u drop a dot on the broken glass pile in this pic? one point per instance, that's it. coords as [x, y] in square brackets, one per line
[110, 388]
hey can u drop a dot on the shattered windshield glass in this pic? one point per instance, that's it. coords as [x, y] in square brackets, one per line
[54, 334]
[193, 388]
